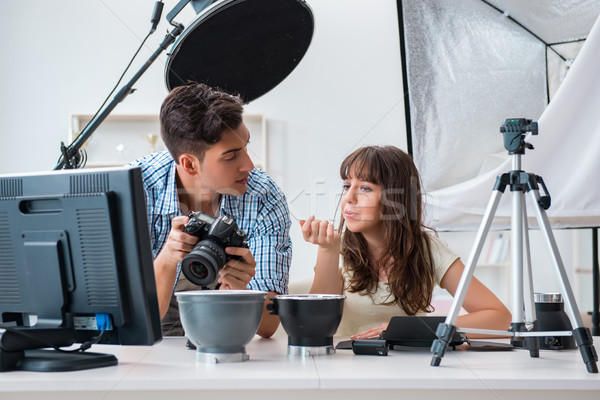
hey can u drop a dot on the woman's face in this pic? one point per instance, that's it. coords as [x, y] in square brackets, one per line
[361, 206]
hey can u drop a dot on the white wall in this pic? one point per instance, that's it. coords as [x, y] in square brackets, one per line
[63, 57]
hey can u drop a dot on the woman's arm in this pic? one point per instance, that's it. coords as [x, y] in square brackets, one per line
[328, 277]
[485, 310]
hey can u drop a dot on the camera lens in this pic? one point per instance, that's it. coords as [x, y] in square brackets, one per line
[201, 266]
[198, 269]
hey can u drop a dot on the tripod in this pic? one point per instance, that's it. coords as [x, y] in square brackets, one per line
[523, 325]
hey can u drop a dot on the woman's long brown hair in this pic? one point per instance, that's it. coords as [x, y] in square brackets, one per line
[411, 277]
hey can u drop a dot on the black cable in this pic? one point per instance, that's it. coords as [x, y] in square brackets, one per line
[84, 346]
[30, 335]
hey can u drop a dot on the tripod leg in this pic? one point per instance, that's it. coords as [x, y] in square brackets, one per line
[532, 342]
[518, 233]
[530, 316]
[446, 330]
[582, 335]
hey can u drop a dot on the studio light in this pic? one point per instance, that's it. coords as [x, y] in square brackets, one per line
[242, 46]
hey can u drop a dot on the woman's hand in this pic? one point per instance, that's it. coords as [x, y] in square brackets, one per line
[328, 278]
[371, 333]
[320, 232]
[236, 274]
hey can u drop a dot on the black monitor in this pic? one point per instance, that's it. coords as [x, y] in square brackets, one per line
[75, 267]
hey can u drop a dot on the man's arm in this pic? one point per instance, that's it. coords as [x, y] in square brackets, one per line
[177, 246]
[269, 323]
[164, 275]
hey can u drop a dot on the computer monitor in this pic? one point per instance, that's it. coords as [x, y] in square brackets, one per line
[75, 267]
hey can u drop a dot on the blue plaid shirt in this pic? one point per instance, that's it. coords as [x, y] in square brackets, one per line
[262, 213]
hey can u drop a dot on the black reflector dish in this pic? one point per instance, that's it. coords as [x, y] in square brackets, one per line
[245, 47]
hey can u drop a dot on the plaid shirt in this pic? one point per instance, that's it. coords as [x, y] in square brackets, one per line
[262, 213]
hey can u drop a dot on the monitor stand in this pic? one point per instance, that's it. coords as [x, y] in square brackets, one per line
[42, 360]
[29, 350]
[48, 360]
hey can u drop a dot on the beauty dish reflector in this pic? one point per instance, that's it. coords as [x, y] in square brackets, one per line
[242, 46]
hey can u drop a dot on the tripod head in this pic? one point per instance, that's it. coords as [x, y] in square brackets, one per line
[514, 130]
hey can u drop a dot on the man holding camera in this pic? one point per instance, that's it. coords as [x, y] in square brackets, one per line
[207, 169]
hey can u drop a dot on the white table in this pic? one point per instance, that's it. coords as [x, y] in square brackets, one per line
[168, 370]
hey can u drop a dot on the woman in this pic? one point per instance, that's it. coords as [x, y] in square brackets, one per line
[390, 260]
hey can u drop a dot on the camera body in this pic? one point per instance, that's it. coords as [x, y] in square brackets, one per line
[201, 266]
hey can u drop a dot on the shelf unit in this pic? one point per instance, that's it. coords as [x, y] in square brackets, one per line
[494, 266]
[122, 138]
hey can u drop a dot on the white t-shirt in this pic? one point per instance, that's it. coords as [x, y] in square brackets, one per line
[362, 311]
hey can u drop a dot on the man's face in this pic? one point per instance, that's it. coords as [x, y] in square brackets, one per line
[226, 164]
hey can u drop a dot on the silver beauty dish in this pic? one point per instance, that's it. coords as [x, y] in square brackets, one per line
[220, 323]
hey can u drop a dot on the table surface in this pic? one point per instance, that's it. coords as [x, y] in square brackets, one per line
[169, 367]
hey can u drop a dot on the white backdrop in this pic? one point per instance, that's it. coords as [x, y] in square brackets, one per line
[565, 154]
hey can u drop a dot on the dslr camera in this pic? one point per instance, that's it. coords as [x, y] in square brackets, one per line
[201, 266]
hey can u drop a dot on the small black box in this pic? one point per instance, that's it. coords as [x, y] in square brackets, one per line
[374, 347]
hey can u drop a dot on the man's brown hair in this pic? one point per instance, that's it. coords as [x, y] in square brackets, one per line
[195, 116]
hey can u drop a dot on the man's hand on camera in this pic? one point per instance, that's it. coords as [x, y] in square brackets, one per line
[236, 274]
[179, 243]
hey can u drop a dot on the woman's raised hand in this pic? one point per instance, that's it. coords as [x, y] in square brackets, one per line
[320, 232]
[328, 278]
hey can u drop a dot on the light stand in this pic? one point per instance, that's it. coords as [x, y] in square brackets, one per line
[523, 325]
[70, 155]
[245, 47]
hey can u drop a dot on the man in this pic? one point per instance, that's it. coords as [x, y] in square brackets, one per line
[207, 168]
